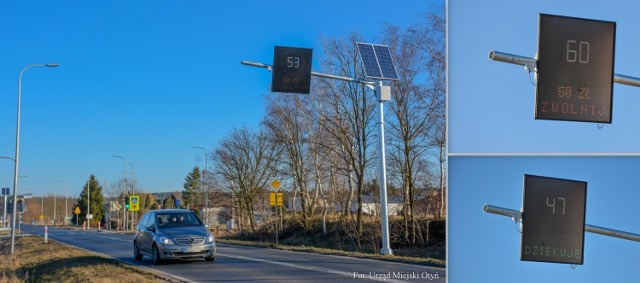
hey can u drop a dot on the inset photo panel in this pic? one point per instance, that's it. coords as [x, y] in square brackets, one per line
[562, 218]
[543, 77]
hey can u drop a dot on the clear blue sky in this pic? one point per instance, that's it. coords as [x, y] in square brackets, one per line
[486, 247]
[150, 79]
[491, 104]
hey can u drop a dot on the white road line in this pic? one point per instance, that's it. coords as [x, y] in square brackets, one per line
[325, 270]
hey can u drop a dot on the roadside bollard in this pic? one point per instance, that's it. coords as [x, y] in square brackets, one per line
[46, 234]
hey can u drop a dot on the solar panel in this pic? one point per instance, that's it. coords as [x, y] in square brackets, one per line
[377, 61]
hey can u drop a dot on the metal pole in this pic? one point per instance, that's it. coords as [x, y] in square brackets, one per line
[386, 249]
[55, 195]
[531, 63]
[517, 215]
[4, 213]
[321, 75]
[88, 204]
[17, 154]
[65, 202]
[124, 176]
[133, 185]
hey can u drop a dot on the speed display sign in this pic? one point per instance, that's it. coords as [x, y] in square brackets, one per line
[553, 220]
[291, 70]
[575, 69]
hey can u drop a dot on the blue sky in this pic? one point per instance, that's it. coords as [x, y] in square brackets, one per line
[150, 79]
[486, 247]
[491, 104]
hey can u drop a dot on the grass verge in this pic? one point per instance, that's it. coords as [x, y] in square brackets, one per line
[403, 259]
[35, 261]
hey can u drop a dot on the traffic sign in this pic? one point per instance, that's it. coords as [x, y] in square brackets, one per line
[5, 191]
[77, 210]
[134, 202]
[553, 220]
[275, 184]
[291, 70]
[275, 199]
[575, 69]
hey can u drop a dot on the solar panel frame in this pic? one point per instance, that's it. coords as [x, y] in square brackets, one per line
[385, 61]
[369, 60]
[377, 61]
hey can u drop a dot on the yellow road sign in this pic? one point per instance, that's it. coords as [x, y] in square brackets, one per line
[275, 184]
[77, 211]
[134, 203]
[275, 199]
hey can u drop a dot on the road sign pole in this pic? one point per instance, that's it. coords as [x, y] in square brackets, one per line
[517, 216]
[530, 64]
[4, 213]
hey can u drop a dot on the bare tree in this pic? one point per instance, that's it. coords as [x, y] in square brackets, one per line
[349, 111]
[247, 160]
[289, 122]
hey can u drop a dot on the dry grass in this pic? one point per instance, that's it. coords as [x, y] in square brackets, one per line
[35, 261]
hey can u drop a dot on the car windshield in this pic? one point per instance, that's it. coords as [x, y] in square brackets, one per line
[178, 219]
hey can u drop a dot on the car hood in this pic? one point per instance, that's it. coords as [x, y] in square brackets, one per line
[181, 231]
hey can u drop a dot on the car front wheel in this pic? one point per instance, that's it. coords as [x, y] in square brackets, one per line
[156, 255]
[136, 251]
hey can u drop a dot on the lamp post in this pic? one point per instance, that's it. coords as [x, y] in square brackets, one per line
[205, 187]
[66, 194]
[133, 184]
[42, 210]
[17, 155]
[124, 175]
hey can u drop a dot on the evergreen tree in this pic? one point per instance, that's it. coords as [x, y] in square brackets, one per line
[169, 202]
[190, 195]
[96, 201]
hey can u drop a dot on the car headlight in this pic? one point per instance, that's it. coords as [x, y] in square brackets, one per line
[210, 239]
[166, 241]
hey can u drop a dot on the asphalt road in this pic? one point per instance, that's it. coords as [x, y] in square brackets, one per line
[248, 264]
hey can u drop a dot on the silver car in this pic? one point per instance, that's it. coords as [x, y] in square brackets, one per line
[173, 234]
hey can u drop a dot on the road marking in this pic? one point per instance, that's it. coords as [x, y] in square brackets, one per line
[320, 269]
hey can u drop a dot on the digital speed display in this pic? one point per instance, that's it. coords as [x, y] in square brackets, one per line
[575, 69]
[291, 70]
[553, 220]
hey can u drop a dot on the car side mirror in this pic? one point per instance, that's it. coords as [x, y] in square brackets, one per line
[152, 228]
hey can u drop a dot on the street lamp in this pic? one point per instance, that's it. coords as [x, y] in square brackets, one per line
[17, 156]
[66, 196]
[124, 175]
[133, 186]
[205, 187]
